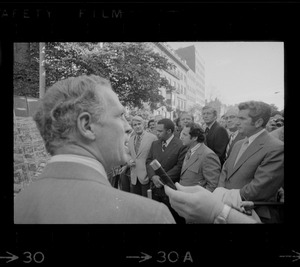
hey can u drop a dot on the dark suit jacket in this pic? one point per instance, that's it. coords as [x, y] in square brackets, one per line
[259, 173]
[237, 138]
[217, 140]
[171, 159]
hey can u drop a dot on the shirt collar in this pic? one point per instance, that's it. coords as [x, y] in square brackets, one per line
[210, 125]
[93, 163]
[234, 134]
[139, 135]
[167, 142]
[254, 136]
[193, 149]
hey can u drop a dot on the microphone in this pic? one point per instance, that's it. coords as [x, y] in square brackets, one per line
[158, 169]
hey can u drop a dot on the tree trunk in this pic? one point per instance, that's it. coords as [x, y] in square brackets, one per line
[21, 53]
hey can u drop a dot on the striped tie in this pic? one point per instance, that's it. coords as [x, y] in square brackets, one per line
[229, 145]
[164, 146]
[137, 143]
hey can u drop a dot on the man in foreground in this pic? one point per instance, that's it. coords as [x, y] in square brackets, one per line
[84, 129]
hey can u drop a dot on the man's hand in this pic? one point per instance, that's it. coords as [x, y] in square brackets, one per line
[131, 163]
[156, 181]
[194, 203]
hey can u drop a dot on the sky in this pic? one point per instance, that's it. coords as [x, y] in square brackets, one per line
[242, 71]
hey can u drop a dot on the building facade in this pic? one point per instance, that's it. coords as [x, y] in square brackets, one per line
[188, 78]
[196, 87]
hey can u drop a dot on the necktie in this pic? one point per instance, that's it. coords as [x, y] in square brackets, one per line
[187, 157]
[137, 143]
[242, 150]
[206, 130]
[164, 146]
[229, 144]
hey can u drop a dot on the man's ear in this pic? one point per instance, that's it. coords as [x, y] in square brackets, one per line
[259, 122]
[85, 127]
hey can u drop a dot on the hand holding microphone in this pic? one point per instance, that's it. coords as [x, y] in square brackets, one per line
[164, 177]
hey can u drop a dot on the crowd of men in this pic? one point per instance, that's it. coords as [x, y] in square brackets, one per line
[222, 171]
[197, 156]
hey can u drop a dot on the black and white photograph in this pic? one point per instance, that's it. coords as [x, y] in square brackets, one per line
[83, 113]
[150, 133]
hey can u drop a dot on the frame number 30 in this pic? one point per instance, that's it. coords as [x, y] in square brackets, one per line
[37, 257]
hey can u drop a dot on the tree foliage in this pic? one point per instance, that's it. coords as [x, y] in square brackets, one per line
[132, 68]
[26, 73]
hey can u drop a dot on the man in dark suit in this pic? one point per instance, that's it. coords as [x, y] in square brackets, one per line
[255, 164]
[234, 134]
[170, 152]
[216, 135]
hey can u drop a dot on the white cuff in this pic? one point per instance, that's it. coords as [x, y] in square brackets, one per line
[222, 217]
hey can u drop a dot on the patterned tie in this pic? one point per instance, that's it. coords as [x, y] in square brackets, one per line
[164, 145]
[242, 150]
[229, 144]
[137, 143]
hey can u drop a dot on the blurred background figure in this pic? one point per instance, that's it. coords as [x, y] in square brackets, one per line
[152, 126]
[222, 121]
[233, 132]
[182, 120]
[216, 135]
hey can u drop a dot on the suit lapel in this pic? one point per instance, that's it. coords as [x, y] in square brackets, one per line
[193, 158]
[237, 138]
[255, 146]
[142, 143]
[168, 150]
[131, 147]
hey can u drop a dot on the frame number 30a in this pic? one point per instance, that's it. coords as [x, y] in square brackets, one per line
[37, 257]
[173, 257]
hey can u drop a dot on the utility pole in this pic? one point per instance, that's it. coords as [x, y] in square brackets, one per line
[42, 70]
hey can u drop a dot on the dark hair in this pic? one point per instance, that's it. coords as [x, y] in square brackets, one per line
[150, 122]
[196, 131]
[168, 124]
[212, 108]
[258, 109]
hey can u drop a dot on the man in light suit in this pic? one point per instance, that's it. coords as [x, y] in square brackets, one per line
[201, 165]
[170, 152]
[139, 146]
[84, 128]
[216, 135]
[258, 172]
[234, 134]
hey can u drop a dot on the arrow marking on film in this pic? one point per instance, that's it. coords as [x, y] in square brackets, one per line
[144, 258]
[12, 257]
